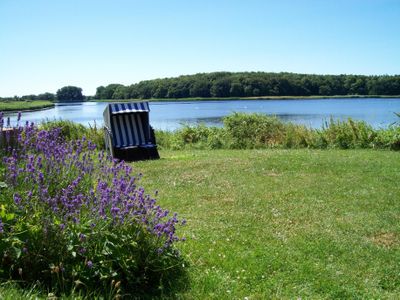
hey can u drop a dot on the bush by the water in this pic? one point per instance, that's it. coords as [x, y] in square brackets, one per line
[72, 219]
[254, 131]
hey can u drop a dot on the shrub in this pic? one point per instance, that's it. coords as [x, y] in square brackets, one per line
[248, 131]
[74, 219]
[201, 136]
[253, 130]
[347, 134]
[388, 138]
[197, 137]
[298, 136]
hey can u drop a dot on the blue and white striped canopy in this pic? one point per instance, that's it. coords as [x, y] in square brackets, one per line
[121, 108]
[130, 130]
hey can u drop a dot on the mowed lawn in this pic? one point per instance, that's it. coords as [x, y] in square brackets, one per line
[284, 223]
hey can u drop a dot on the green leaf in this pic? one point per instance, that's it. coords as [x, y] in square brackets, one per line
[9, 217]
[2, 211]
[17, 252]
[3, 185]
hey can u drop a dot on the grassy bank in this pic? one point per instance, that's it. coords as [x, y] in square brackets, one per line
[285, 224]
[24, 105]
[256, 131]
[248, 98]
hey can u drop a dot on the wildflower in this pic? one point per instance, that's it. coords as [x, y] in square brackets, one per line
[89, 264]
[17, 199]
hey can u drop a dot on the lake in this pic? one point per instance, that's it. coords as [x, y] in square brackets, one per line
[379, 112]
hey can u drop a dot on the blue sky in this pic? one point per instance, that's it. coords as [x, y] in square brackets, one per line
[47, 44]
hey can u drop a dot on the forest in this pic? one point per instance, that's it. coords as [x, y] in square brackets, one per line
[233, 84]
[252, 84]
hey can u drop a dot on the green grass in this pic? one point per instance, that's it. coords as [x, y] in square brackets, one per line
[10, 291]
[285, 224]
[282, 224]
[24, 105]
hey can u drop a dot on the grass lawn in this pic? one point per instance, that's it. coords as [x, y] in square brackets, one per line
[24, 105]
[284, 223]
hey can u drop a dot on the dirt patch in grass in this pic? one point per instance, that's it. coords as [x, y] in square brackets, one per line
[385, 239]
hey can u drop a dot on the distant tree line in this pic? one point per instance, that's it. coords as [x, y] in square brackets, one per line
[253, 84]
[65, 94]
[228, 84]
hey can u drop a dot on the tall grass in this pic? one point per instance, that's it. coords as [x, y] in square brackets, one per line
[257, 131]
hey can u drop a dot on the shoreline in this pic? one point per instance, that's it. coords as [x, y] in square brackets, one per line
[28, 109]
[250, 98]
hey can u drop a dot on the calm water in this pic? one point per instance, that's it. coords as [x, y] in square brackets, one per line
[171, 115]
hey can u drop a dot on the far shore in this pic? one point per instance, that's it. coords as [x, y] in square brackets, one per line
[16, 106]
[249, 98]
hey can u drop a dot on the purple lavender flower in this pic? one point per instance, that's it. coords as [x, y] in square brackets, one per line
[89, 264]
[58, 174]
[82, 237]
[17, 199]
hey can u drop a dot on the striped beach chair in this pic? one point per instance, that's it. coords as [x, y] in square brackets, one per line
[128, 133]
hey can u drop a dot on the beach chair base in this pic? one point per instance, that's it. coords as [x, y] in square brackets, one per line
[136, 153]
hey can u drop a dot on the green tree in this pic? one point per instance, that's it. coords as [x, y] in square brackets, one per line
[236, 90]
[200, 88]
[46, 96]
[121, 92]
[220, 88]
[29, 97]
[70, 94]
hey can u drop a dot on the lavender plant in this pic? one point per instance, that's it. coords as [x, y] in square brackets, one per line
[73, 218]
